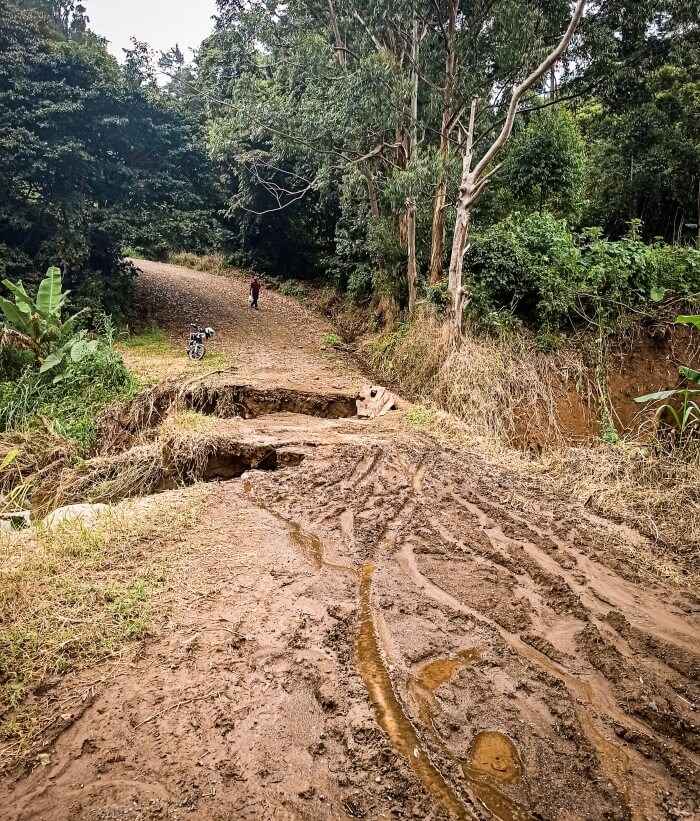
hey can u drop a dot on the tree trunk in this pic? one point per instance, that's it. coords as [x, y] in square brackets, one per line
[457, 292]
[467, 193]
[474, 181]
[409, 222]
[340, 53]
[437, 244]
[411, 268]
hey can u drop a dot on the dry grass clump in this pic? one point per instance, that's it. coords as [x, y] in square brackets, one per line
[122, 424]
[26, 458]
[496, 386]
[207, 263]
[656, 493]
[136, 472]
[188, 421]
[176, 459]
[72, 596]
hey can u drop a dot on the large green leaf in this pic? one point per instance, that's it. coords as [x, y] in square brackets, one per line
[690, 373]
[49, 297]
[654, 397]
[81, 348]
[53, 360]
[14, 317]
[22, 299]
[689, 320]
[78, 350]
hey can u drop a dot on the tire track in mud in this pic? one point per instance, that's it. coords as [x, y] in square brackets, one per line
[370, 658]
[393, 506]
[615, 761]
[673, 728]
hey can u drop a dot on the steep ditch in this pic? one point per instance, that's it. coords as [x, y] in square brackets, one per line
[148, 469]
[120, 425]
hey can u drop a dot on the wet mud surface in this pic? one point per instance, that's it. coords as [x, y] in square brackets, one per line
[389, 629]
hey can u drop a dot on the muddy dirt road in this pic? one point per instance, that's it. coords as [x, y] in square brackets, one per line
[382, 627]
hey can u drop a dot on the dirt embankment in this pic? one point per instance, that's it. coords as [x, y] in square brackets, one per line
[378, 626]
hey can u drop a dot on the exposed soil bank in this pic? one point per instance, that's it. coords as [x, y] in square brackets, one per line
[120, 425]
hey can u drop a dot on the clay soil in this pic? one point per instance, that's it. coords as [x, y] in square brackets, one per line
[383, 627]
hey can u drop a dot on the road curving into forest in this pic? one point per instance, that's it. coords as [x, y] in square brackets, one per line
[376, 625]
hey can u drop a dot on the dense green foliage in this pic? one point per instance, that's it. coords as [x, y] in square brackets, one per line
[309, 122]
[290, 144]
[537, 267]
[36, 326]
[72, 405]
[92, 157]
[51, 372]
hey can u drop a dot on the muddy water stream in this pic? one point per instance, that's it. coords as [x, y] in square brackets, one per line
[390, 714]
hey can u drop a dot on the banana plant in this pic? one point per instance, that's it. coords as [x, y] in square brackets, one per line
[684, 411]
[36, 324]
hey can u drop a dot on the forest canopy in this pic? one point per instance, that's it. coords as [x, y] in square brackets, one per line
[328, 140]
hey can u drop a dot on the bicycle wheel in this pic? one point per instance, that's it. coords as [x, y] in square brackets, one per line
[195, 351]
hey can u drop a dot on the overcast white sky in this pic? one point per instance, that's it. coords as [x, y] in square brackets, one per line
[161, 23]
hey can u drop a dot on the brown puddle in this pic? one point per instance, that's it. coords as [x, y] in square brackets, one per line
[493, 755]
[389, 712]
[494, 758]
[436, 673]
[432, 676]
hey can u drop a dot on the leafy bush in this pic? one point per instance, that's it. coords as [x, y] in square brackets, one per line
[331, 340]
[536, 267]
[544, 167]
[360, 283]
[36, 325]
[530, 264]
[72, 405]
[293, 289]
[438, 295]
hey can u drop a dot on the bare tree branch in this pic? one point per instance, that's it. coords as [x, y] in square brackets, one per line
[527, 83]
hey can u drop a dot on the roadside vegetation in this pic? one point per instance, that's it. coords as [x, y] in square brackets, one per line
[71, 596]
[56, 376]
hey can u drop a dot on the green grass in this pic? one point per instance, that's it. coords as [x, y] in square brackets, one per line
[73, 596]
[71, 407]
[331, 340]
[151, 341]
[419, 416]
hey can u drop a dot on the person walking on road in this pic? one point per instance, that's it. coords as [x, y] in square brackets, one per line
[254, 293]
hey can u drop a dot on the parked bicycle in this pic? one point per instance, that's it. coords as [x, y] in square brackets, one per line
[198, 336]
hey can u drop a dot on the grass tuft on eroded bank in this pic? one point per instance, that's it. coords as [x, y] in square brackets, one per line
[500, 388]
